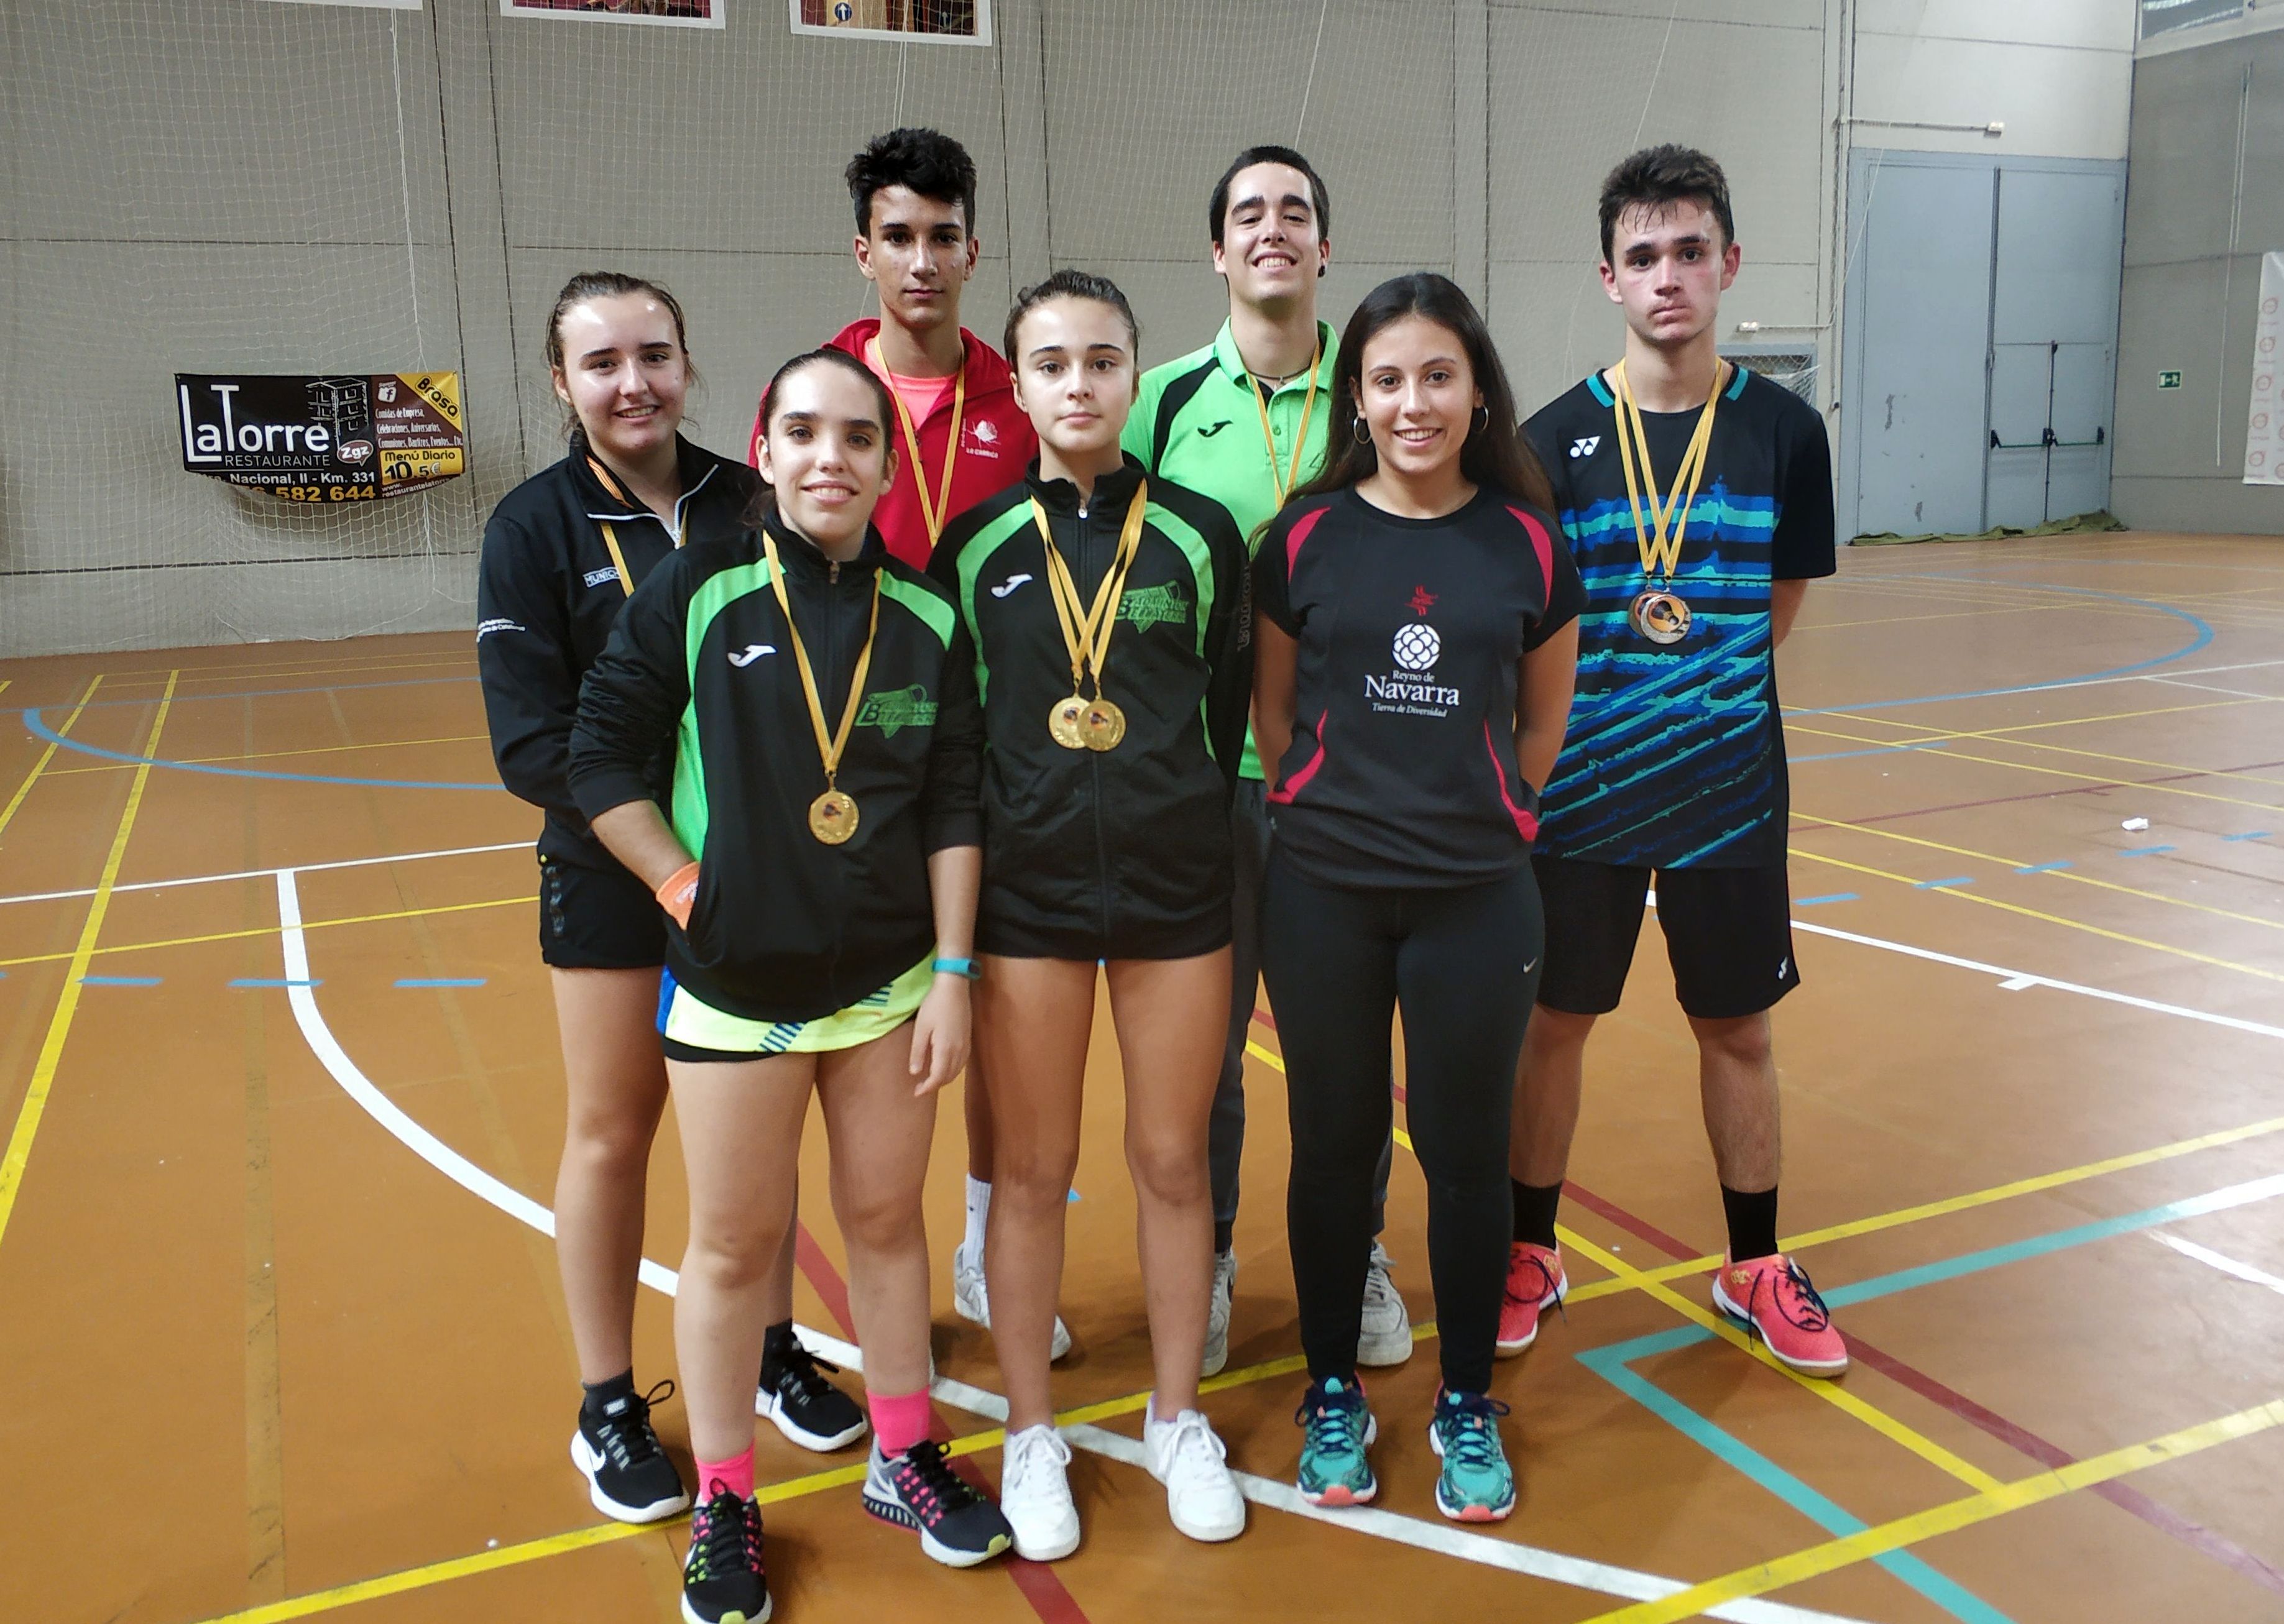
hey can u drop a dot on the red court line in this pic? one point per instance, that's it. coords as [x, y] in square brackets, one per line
[1036, 1581]
[1988, 1421]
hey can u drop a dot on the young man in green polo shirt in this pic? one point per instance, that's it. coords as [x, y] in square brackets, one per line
[1244, 421]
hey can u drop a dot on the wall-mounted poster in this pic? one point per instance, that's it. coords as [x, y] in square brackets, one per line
[673, 14]
[2263, 429]
[925, 22]
[331, 439]
[385, 6]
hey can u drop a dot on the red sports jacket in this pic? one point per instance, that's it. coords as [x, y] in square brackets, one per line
[996, 444]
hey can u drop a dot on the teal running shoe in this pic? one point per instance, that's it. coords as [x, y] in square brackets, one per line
[1337, 1429]
[1476, 1485]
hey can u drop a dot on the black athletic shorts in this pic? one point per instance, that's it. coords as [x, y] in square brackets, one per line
[598, 919]
[1728, 936]
[1206, 931]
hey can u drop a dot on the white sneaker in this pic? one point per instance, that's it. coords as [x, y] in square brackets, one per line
[1386, 1338]
[973, 1303]
[1035, 1493]
[1202, 1494]
[1224, 1277]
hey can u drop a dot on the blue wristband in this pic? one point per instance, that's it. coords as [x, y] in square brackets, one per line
[967, 967]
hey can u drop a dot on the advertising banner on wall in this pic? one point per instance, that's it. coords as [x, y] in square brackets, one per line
[329, 439]
[2263, 435]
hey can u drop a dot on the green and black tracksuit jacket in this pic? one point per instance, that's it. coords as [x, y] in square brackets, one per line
[785, 927]
[1123, 854]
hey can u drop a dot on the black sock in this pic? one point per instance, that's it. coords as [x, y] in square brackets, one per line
[1534, 1211]
[1225, 1237]
[777, 1342]
[602, 1394]
[1752, 1222]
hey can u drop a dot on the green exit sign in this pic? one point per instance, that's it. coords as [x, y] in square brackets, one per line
[2168, 380]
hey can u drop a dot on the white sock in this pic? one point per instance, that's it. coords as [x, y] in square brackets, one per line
[979, 1213]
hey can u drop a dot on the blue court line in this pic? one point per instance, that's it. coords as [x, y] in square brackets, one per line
[1610, 1364]
[2144, 851]
[2204, 635]
[1937, 885]
[34, 724]
[441, 981]
[1814, 902]
[249, 693]
[2042, 868]
[120, 981]
[2250, 834]
[255, 980]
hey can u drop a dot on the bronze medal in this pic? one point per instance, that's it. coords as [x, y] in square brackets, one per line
[1063, 723]
[1659, 615]
[1102, 724]
[832, 816]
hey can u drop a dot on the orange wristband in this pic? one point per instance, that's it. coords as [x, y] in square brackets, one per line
[679, 893]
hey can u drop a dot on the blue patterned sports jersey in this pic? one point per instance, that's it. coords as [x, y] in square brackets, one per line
[1675, 755]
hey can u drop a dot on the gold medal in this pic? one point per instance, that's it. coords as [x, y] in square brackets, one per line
[1659, 615]
[1079, 722]
[1063, 722]
[1101, 725]
[832, 815]
[1657, 612]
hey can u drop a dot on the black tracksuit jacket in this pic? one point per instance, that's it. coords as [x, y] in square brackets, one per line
[547, 596]
[700, 666]
[1124, 854]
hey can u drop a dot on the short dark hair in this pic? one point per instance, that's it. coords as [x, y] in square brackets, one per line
[1217, 207]
[1070, 285]
[1656, 178]
[928, 161]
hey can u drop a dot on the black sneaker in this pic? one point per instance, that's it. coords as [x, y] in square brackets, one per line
[807, 1409]
[629, 1477]
[722, 1578]
[958, 1527]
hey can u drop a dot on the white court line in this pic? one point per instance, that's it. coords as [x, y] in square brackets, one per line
[299, 868]
[2238, 694]
[1576, 1571]
[2225, 1264]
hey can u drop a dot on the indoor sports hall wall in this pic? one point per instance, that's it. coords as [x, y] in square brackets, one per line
[298, 186]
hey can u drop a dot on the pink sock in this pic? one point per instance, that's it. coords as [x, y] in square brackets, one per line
[899, 1421]
[735, 1474]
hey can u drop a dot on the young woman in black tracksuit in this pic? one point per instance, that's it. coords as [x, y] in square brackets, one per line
[815, 854]
[1418, 613]
[1108, 616]
[563, 552]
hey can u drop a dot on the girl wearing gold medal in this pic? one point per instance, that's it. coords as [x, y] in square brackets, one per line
[1107, 613]
[816, 860]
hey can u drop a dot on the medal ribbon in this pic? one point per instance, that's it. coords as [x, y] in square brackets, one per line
[1089, 639]
[828, 750]
[1282, 479]
[611, 536]
[936, 514]
[1661, 552]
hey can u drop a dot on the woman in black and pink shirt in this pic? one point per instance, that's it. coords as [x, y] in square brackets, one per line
[1417, 638]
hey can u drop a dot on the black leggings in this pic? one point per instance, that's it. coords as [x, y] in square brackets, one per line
[1463, 964]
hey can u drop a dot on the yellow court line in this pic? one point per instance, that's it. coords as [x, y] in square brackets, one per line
[2069, 874]
[271, 930]
[267, 755]
[2001, 736]
[1905, 1531]
[1831, 1392]
[1965, 895]
[48, 754]
[305, 668]
[2050, 772]
[51, 1049]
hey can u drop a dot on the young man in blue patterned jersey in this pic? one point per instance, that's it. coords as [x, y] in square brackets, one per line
[1697, 500]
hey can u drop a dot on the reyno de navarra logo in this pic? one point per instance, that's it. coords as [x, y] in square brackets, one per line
[1412, 690]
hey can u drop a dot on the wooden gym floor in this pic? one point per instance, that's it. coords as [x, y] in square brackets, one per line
[280, 1327]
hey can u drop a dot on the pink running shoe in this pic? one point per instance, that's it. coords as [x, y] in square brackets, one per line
[1773, 1298]
[1534, 1281]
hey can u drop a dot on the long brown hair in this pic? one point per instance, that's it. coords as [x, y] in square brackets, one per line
[1494, 454]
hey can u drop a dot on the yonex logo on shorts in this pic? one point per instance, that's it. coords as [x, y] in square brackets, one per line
[1146, 606]
[906, 707]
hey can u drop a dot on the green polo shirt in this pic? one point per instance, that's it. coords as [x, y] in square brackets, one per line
[1198, 422]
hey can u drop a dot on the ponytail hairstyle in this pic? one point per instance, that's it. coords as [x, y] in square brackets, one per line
[612, 285]
[764, 504]
[1494, 454]
[1071, 284]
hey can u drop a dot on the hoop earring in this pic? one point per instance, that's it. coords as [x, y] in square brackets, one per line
[1361, 430]
[1484, 413]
